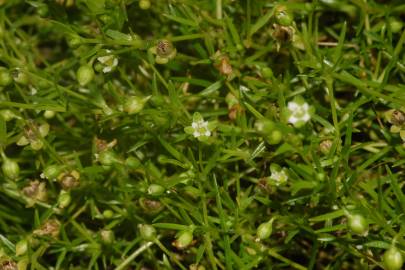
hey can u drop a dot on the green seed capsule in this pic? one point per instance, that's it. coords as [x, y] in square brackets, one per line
[107, 157]
[64, 199]
[20, 76]
[358, 224]
[144, 4]
[264, 230]
[393, 259]
[275, 137]
[10, 169]
[184, 239]
[108, 214]
[107, 236]
[51, 172]
[155, 190]
[21, 247]
[7, 115]
[133, 162]
[395, 25]
[43, 10]
[283, 17]
[265, 126]
[5, 77]
[267, 73]
[74, 41]
[148, 232]
[134, 104]
[85, 74]
[49, 114]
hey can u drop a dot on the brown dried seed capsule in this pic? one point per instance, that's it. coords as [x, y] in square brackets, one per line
[35, 190]
[325, 146]
[224, 66]
[164, 48]
[282, 34]
[397, 118]
[150, 206]
[69, 180]
[8, 265]
[49, 228]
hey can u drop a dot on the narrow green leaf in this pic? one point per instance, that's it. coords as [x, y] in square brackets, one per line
[262, 21]
[211, 89]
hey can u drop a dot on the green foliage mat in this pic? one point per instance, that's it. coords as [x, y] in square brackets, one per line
[202, 134]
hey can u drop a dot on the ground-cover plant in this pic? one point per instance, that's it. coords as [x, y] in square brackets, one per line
[210, 134]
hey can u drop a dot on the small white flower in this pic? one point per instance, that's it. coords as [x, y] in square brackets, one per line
[280, 177]
[109, 62]
[243, 88]
[200, 129]
[298, 112]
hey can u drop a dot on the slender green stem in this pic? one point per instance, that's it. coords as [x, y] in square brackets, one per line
[134, 254]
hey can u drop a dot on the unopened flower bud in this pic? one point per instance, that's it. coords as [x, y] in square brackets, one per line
[183, 239]
[10, 168]
[144, 4]
[85, 74]
[148, 232]
[5, 77]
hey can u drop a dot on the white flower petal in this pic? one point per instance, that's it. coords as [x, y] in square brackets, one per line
[115, 62]
[306, 117]
[194, 125]
[207, 133]
[103, 59]
[292, 119]
[292, 106]
[107, 69]
[196, 134]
